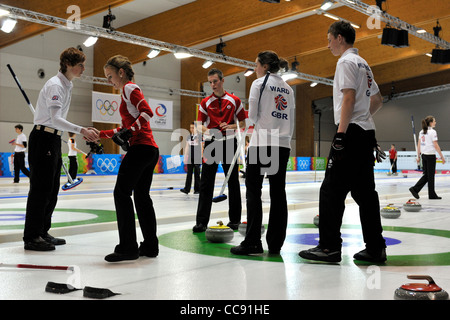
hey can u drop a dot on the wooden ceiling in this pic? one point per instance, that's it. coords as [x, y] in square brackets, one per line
[206, 21]
[305, 38]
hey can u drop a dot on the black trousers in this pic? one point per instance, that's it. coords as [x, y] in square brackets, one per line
[44, 158]
[192, 169]
[393, 165]
[352, 174]
[19, 164]
[135, 177]
[216, 152]
[278, 214]
[429, 170]
[73, 167]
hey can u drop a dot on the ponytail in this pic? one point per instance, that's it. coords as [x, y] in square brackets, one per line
[273, 61]
[120, 62]
[426, 123]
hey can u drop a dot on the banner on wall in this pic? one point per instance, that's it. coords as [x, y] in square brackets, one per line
[162, 114]
[105, 107]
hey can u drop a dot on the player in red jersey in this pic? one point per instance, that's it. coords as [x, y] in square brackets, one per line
[136, 170]
[219, 114]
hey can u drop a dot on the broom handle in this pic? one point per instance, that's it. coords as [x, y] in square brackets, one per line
[34, 266]
[243, 139]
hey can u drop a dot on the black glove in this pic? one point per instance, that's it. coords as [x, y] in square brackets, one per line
[337, 146]
[379, 154]
[121, 138]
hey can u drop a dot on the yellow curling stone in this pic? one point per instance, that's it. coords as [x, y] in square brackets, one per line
[219, 233]
[390, 212]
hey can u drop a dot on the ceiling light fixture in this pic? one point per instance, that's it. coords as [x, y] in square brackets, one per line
[207, 64]
[153, 53]
[8, 25]
[394, 37]
[108, 19]
[248, 72]
[220, 46]
[182, 53]
[90, 41]
[3, 12]
[326, 5]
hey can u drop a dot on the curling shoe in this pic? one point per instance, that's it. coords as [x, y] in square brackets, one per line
[245, 249]
[234, 226]
[150, 251]
[39, 244]
[320, 254]
[117, 257]
[414, 193]
[199, 228]
[55, 241]
[364, 255]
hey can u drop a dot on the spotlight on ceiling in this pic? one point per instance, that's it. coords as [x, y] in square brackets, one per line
[3, 12]
[8, 25]
[108, 19]
[153, 53]
[182, 53]
[440, 56]
[248, 72]
[220, 46]
[207, 64]
[396, 38]
[90, 41]
[326, 5]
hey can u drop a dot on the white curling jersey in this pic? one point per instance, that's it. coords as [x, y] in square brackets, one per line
[274, 119]
[353, 72]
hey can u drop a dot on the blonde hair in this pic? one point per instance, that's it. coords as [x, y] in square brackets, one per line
[120, 62]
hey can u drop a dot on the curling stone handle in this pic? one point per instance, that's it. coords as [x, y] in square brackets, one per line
[422, 277]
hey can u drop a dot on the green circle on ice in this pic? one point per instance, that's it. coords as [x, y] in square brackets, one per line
[186, 240]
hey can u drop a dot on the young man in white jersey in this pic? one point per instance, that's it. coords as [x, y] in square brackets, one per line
[19, 154]
[44, 154]
[356, 98]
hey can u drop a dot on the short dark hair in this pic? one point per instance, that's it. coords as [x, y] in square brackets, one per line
[214, 71]
[70, 56]
[344, 29]
[19, 126]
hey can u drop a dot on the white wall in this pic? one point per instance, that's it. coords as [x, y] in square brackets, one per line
[42, 51]
[393, 121]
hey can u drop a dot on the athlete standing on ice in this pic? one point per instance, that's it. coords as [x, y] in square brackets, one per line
[136, 170]
[219, 113]
[44, 153]
[272, 110]
[356, 98]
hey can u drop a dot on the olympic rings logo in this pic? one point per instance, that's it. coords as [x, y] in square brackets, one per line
[107, 164]
[107, 107]
[304, 164]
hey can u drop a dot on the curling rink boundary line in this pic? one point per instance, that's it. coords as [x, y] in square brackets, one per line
[16, 235]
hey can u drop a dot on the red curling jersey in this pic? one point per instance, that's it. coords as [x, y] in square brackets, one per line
[213, 110]
[135, 113]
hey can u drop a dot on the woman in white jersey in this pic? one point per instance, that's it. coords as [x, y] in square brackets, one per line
[427, 147]
[272, 110]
